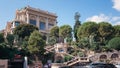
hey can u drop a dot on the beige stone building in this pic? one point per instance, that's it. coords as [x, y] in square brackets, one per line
[44, 20]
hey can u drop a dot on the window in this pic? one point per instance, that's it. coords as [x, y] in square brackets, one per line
[42, 26]
[17, 23]
[33, 22]
[61, 50]
[50, 26]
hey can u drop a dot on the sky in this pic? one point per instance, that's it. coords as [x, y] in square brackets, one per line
[90, 10]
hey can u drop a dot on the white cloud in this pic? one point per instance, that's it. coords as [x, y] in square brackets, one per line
[115, 20]
[117, 23]
[116, 4]
[99, 18]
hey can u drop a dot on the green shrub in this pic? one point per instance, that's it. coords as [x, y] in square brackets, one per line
[114, 43]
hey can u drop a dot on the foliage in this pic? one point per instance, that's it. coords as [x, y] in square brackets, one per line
[84, 43]
[1, 38]
[54, 31]
[114, 43]
[95, 47]
[65, 31]
[105, 30]
[81, 54]
[10, 39]
[24, 30]
[67, 58]
[36, 44]
[69, 40]
[52, 40]
[24, 49]
[54, 35]
[6, 52]
[116, 30]
[76, 26]
[48, 56]
[106, 49]
[87, 29]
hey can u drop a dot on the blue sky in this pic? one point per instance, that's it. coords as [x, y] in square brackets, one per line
[90, 10]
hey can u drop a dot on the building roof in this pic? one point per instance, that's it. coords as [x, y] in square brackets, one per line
[38, 10]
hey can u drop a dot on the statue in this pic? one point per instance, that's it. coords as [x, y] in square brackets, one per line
[77, 16]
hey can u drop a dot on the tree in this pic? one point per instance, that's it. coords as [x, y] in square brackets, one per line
[69, 40]
[1, 38]
[65, 31]
[54, 35]
[105, 30]
[114, 43]
[52, 40]
[24, 30]
[10, 39]
[36, 44]
[87, 29]
[84, 42]
[54, 31]
[76, 26]
[116, 30]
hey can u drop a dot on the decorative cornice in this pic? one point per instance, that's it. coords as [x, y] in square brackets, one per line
[41, 11]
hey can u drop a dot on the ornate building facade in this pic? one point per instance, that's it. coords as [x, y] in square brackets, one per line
[44, 20]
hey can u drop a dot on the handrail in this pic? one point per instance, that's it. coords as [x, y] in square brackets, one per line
[76, 60]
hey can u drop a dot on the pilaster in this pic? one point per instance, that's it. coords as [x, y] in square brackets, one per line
[28, 19]
[37, 21]
[46, 24]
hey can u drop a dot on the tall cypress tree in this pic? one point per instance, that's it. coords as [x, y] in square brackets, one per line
[77, 25]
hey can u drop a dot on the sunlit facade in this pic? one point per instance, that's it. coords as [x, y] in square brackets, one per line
[44, 20]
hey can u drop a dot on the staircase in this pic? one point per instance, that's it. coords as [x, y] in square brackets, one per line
[76, 60]
[72, 62]
[49, 49]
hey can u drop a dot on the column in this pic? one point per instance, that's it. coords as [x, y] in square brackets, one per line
[28, 21]
[13, 25]
[37, 21]
[46, 24]
[23, 17]
[46, 30]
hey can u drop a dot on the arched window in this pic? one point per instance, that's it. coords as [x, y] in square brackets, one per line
[114, 56]
[103, 57]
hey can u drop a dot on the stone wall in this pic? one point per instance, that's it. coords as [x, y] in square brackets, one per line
[3, 63]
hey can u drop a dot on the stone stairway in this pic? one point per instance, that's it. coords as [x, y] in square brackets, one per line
[72, 62]
[76, 60]
[69, 55]
[49, 49]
